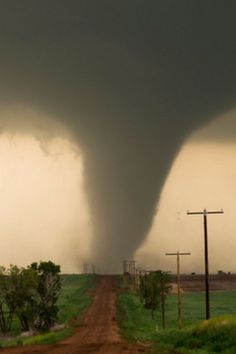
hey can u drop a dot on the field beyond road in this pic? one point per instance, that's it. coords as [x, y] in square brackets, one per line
[217, 335]
[98, 332]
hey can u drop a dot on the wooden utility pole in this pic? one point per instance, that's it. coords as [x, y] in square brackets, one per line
[163, 319]
[93, 269]
[136, 277]
[145, 287]
[124, 267]
[141, 274]
[178, 254]
[205, 213]
[129, 269]
[85, 268]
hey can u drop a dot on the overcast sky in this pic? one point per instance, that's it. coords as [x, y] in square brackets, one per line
[125, 83]
[202, 176]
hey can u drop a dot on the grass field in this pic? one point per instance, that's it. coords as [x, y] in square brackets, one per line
[73, 301]
[196, 337]
[221, 303]
[75, 296]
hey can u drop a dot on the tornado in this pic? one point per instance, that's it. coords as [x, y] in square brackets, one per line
[130, 81]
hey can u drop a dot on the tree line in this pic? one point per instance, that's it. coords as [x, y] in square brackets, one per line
[30, 294]
[152, 286]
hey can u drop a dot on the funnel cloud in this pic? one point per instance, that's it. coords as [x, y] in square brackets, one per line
[130, 80]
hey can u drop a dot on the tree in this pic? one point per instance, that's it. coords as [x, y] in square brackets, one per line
[152, 291]
[154, 288]
[164, 280]
[27, 298]
[30, 294]
[6, 313]
[49, 285]
[142, 287]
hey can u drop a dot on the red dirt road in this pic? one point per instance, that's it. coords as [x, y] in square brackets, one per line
[98, 333]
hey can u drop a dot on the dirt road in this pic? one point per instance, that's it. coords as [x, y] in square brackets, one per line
[99, 332]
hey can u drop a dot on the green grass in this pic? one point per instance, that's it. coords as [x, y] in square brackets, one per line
[73, 301]
[135, 321]
[218, 335]
[193, 305]
[45, 338]
[75, 296]
[197, 337]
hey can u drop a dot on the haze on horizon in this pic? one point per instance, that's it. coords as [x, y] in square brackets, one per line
[34, 226]
[125, 84]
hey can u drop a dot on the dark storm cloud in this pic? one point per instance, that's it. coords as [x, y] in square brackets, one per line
[222, 130]
[130, 79]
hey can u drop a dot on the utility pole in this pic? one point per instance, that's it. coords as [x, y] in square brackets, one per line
[178, 254]
[163, 319]
[129, 269]
[137, 283]
[85, 268]
[145, 287]
[124, 267]
[133, 272]
[93, 269]
[205, 213]
[141, 279]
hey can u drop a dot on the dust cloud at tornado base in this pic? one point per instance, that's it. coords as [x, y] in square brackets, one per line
[128, 81]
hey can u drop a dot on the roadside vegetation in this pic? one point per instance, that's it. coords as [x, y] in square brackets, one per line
[198, 336]
[74, 299]
[28, 297]
[40, 306]
[75, 296]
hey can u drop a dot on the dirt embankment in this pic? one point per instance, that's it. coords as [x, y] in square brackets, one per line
[98, 333]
